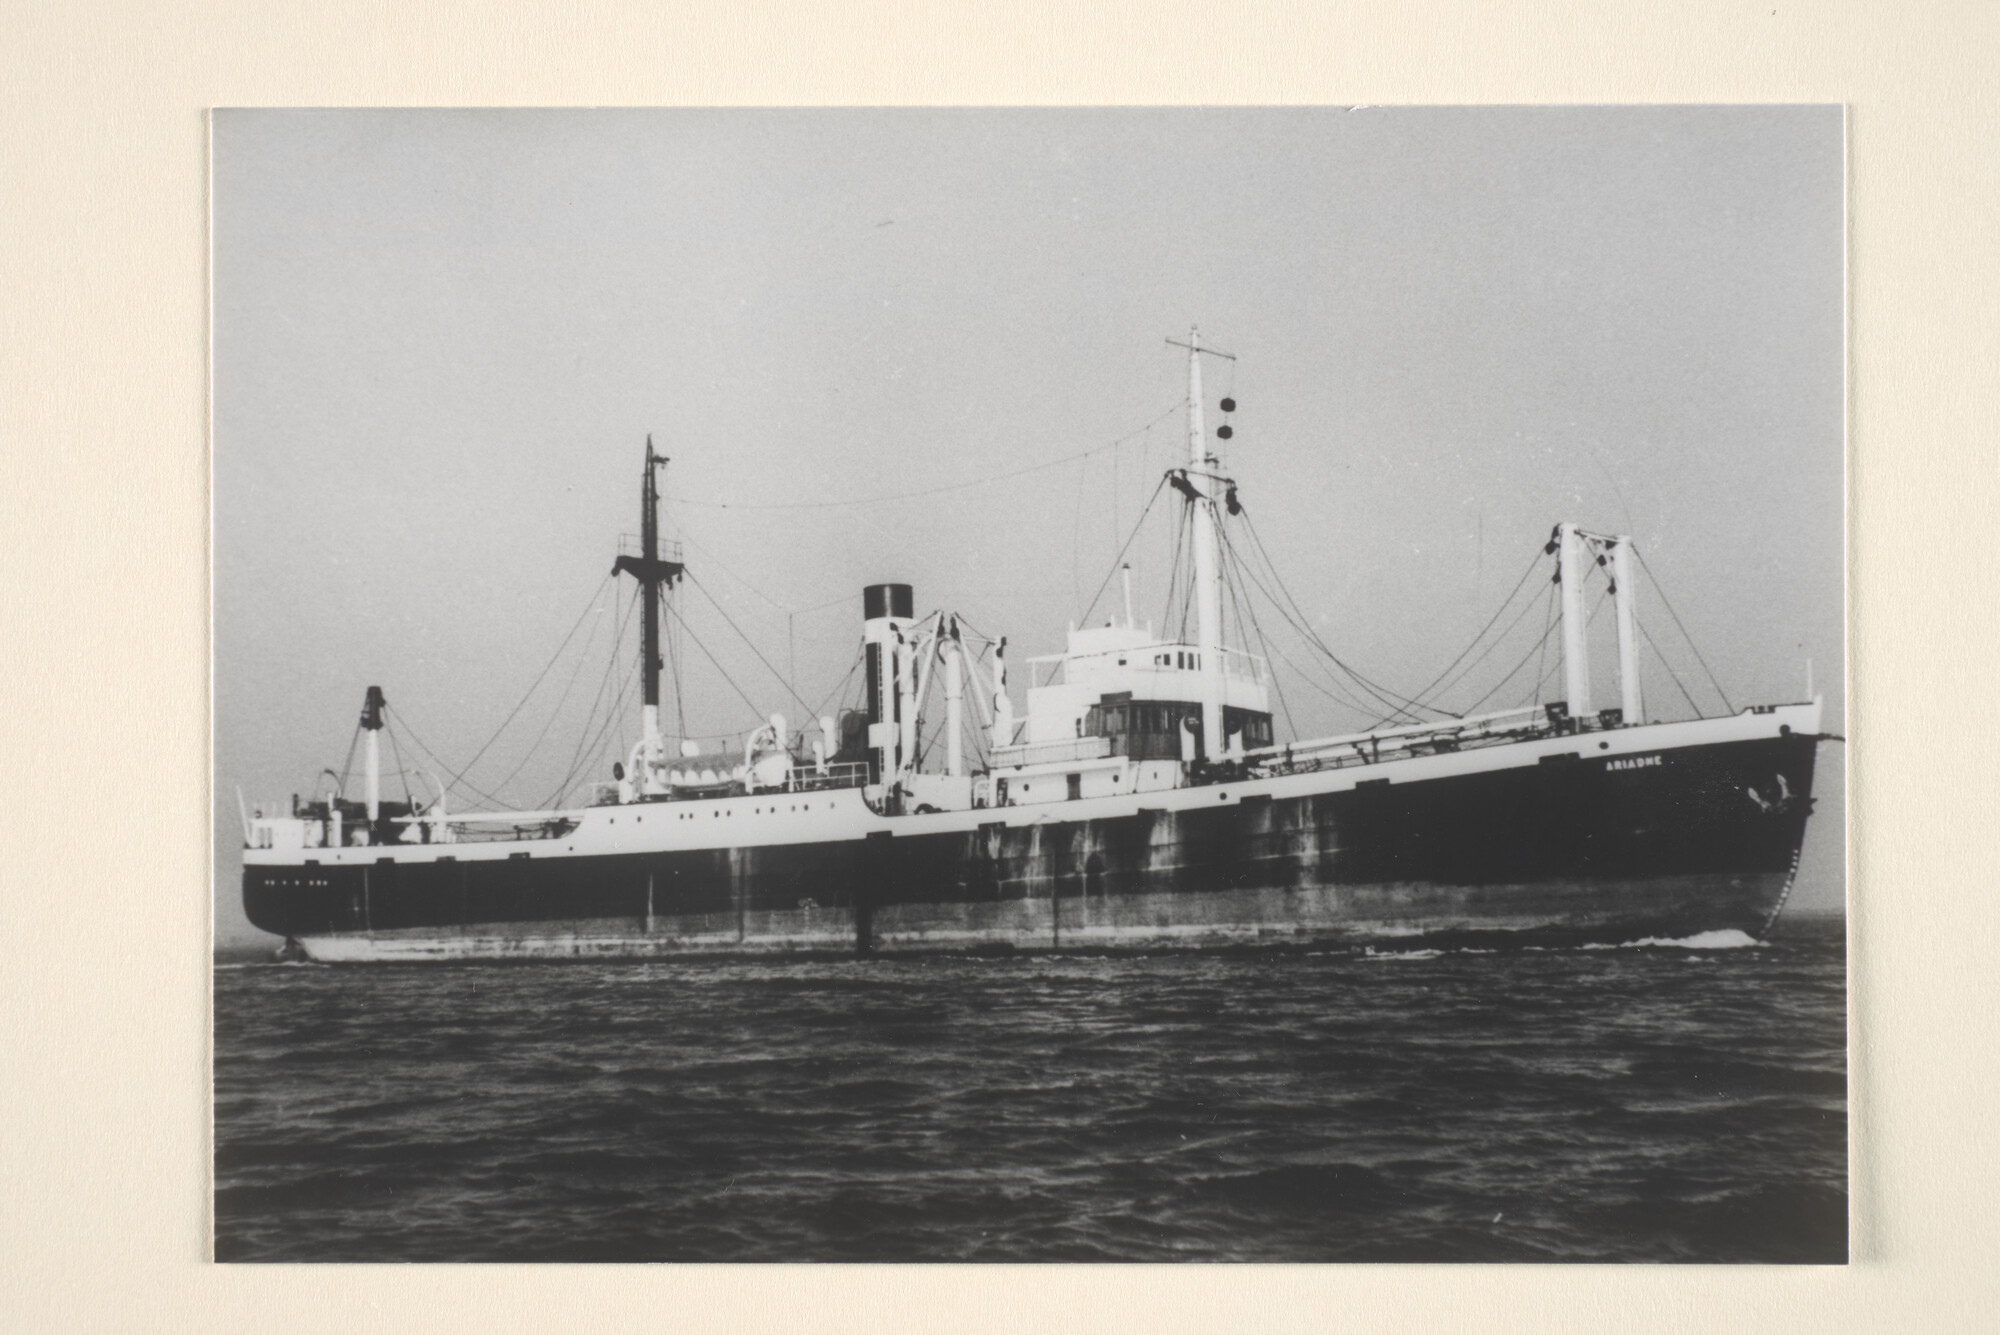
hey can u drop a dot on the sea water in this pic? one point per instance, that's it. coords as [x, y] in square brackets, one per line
[1665, 1101]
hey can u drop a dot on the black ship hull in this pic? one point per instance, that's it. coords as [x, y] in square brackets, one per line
[1555, 845]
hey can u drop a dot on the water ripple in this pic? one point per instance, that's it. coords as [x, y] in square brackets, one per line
[1671, 1101]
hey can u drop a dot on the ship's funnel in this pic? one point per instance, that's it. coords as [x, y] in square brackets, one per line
[887, 610]
[887, 600]
[371, 726]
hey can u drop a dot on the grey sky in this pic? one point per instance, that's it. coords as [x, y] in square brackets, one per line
[442, 337]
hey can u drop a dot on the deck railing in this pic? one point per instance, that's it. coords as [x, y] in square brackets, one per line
[806, 779]
[630, 544]
[803, 777]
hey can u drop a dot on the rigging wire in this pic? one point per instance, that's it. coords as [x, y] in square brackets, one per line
[710, 558]
[588, 608]
[1399, 705]
[624, 719]
[1076, 543]
[1344, 702]
[938, 491]
[1533, 561]
[1487, 652]
[1661, 590]
[1548, 621]
[747, 640]
[689, 632]
[586, 755]
[1548, 628]
[840, 692]
[619, 711]
[1114, 498]
[677, 661]
[980, 758]
[457, 776]
[604, 683]
[348, 764]
[1136, 526]
[583, 656]
[401, 773]
[1240, 600]
[1671, 674]
[1174, 579]
[1534, 651]
[1338, 695]
[1296, 619]
[589, 742]
[1588, 621]
[396, 718]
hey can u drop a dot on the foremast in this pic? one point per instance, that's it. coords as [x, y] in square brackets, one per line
[655, 575]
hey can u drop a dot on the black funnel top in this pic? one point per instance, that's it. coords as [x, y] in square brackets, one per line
[887, 600]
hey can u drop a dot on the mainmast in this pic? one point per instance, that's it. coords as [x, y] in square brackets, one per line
[954, 699]
[1203, 483]
[653, 575]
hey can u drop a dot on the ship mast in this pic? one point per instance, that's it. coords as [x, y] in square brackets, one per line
[1204, 482]
[1574, 569]
[653, 575]
[371, 727]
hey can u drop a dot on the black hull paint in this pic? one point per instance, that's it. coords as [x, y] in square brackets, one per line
[1568, 850]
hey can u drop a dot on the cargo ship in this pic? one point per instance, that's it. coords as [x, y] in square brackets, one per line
[1137, 801]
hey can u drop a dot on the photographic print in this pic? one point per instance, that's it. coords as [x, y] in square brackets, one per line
[1006, 685]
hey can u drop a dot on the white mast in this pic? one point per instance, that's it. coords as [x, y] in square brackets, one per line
[906, 706]
[954, 707]
[1628, 644]
[1576, 653]
[1207, 566]
[371, 725]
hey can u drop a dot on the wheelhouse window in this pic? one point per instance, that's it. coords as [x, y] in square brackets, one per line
[1151, 729]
